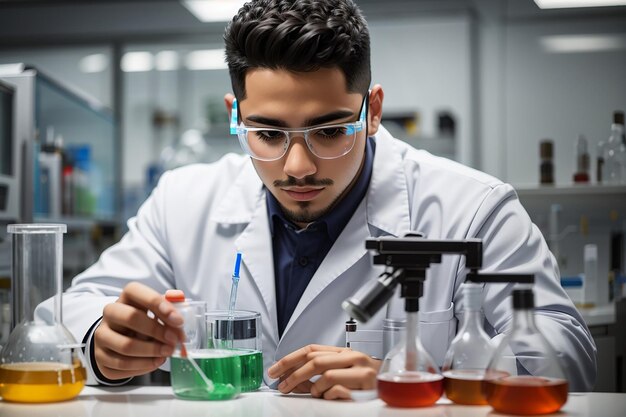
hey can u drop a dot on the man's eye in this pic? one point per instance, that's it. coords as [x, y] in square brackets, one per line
[331, 132]
[268, 135]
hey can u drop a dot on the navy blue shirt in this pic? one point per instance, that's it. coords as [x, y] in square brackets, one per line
[298, 253]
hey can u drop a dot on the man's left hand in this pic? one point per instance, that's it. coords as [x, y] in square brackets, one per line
[340, 370]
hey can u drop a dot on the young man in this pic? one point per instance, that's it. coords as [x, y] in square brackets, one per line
[320, 176]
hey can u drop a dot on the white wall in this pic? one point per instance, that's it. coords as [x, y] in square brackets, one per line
[558, 95]
[423, 65]
[62, 64]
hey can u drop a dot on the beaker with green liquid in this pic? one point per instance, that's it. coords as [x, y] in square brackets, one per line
[239, 332]
[198, 371]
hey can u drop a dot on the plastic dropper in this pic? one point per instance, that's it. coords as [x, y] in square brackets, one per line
[235, 284]
[175, 297]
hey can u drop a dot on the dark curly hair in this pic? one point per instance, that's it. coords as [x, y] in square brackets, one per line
[299, 35]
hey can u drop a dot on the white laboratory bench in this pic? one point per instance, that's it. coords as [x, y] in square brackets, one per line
[160, 402]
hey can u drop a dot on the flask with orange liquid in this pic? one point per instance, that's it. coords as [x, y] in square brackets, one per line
[40, 362]
[471, 350]
[525, 376]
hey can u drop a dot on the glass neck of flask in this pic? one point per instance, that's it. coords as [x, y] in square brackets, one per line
[412, 325]
[36, 275]
[472, 319]
[524, 319]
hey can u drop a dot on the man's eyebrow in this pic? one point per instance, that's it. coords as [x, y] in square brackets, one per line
[320, 120]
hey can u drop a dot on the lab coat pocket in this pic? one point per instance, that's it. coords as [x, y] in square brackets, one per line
[436, 330]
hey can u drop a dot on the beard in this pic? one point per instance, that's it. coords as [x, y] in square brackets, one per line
[304, 214]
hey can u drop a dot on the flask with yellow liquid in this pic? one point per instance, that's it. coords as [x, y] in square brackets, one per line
[40, 362]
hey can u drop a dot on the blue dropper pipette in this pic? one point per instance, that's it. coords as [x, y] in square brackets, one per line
[233, 301]
[235, 284]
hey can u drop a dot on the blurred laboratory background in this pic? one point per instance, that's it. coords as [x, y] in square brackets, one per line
[99, 97]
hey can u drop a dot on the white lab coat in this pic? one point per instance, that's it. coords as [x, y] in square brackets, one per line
[187, 232]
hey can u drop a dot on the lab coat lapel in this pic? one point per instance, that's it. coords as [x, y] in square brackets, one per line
[347, 250]
[245, 203]
[255, 243]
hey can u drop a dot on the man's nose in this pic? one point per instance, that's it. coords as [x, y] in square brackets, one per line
[299, 162]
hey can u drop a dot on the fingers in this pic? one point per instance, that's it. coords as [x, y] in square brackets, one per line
[107, 338]
[319, 364]
[337, 392]
[128, 342]
[122, 318]
[351, 378]
[145, 298]
[299, 357]
[118, 356]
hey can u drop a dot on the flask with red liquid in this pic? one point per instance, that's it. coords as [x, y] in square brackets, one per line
[408, 376]
[525, 376]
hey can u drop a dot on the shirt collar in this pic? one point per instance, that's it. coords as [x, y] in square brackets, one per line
[338, 217]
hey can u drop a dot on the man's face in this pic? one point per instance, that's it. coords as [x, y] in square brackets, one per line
[305, 186]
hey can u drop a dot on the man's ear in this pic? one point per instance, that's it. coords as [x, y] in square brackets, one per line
[375, 110]
[228, 102]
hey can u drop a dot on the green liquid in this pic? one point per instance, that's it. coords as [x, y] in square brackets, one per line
[251, 369]
[222, 367]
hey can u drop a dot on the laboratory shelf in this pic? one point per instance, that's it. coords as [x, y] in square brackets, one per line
[596, 202]
[78, 223]
[573, 190]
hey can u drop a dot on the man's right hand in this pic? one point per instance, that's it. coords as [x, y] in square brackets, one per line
[128, 342]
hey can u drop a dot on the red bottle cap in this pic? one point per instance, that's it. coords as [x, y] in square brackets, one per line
[175, 296]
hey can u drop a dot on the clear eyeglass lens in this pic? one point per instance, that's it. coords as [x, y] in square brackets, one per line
[325, 142]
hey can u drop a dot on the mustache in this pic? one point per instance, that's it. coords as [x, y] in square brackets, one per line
[293, 182]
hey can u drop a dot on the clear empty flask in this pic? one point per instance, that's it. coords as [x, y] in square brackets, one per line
[524, 376]
[40, 362]
[408, 376]
[469, 353]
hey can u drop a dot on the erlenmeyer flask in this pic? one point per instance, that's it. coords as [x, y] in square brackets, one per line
[469, 353]
[40, 362]
[524, 376]
[408, 376]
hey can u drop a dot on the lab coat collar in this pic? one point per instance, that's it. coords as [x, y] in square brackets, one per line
[242, 199]
[388, 197]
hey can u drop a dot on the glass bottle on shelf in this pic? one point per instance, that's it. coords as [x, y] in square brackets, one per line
[469, 353]
[546, 167]
[525, 376]
[408, 376]
[615, 153]
[600, 149]
[582, 161]
[40, 362]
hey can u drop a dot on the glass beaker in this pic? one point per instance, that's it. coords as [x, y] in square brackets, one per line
[408, 376]
[41, 361]
[239, 331]
[469, 354]
[201, 372]
[524, 376]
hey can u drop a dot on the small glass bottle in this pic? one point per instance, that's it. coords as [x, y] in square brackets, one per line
[408, 376]
[525, 376]
[615, 156]
[582, 160]
[469, 353]
[546, 169]
[600, 150]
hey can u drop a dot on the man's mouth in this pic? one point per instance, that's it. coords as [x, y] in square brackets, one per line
[302, 193]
